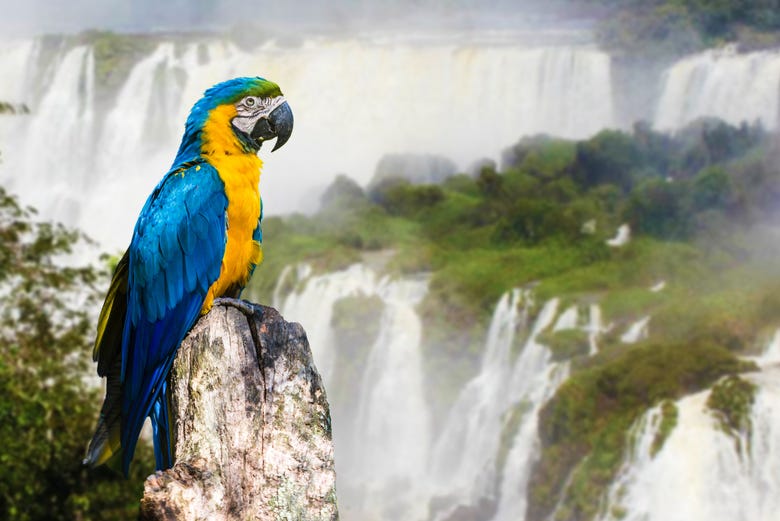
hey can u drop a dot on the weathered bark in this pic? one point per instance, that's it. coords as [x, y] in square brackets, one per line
[251, 424]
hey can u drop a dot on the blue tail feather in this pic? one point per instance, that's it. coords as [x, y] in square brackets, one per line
[163, 450]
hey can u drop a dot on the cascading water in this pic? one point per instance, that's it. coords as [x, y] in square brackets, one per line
[56, 150]
[464, 457]
[392, 416]
[437, 97]
[484, 454]
[534, 380]
[595, 328]
[313, 305]
[477, 464]
[636, 331]
[723, 83]
[771, 354]
[700, 473]
[389, 466]
[79, 160]
[381, 456]
[16, 63]
[702, 470]
[146, 102]
[567, 319]
[75, 159]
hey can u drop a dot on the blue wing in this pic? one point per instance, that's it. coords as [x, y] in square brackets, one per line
[174, 257]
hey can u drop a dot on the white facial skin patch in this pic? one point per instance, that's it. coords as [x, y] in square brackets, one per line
[251, 109]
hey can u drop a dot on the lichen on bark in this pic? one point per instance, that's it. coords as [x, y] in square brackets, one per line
[251, 424]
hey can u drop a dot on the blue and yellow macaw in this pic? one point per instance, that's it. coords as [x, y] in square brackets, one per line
[197, 238]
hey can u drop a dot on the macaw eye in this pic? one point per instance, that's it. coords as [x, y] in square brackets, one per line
[250, 102]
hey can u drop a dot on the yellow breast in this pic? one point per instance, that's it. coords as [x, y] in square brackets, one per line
[240, 171]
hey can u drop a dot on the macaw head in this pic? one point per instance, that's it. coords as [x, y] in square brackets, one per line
[242, 112]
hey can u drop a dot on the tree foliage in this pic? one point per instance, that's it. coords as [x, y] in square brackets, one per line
[672, 27]
[48, 408]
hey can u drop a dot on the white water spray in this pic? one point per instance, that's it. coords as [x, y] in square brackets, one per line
[56, 148]
[464, 457]
[313, 306]
[497, 412]
[392, 438]
[771, 355]
[723, 83]
[636, 331]
[381, 457]
[702, 472]
[94, 169]
[534, 380]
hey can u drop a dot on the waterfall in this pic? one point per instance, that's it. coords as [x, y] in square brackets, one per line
[771, 354]
[464, 458]
[140, 104]
[391, 464]
[567, 319]
[699, 473]
[313, 306]
[534, 380]
[462, 101]
[703, 471]
[17, 58]
[77, 160]
[392, 440]
[595, 328]
[636, 331]
[381, 457]
[485, 452]
[723, 83]
[58, 139]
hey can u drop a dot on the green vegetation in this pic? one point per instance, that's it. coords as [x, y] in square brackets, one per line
[669, 415]
[10, 108]
[566, 344]
[355, 324]
[47, 411]
[731, 400]
[511, 422]
[667, 28]
[584, 426]
[673, 27]
[546, 217]
[115, 54]
[696, 203]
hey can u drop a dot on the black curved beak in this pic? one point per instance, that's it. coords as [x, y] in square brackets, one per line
[278, 124]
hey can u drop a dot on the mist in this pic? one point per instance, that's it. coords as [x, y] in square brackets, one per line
[49, 16]
[443, 224]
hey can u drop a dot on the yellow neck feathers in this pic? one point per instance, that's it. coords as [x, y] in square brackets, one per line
[240, 172]
[223, 150]
[218, 137]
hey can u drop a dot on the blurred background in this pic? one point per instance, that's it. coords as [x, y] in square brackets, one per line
[534, 244]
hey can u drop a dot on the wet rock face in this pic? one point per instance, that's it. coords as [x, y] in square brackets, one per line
[251, 424]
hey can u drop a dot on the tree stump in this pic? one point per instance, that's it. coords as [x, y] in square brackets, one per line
[250, 422]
